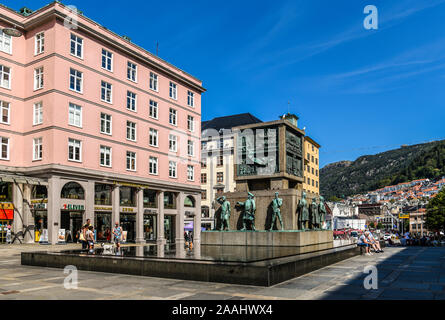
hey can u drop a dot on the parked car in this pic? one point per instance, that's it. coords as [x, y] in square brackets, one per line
[386, 236]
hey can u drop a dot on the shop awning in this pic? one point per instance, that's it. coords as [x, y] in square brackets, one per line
[4, 177]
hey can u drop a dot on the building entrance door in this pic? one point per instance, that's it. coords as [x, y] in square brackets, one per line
[128, 223]
[72, 223]
[169, 228]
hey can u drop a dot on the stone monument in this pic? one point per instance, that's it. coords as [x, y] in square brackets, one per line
[269, 161]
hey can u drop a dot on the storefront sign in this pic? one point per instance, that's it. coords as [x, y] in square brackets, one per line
[44, 236]
[6, 214]
[150, 211]
[6, 206]
[403, 215]
[39, 201]
[127, 210]
[103, 208]
[124, 184]
[124, 236]
[61, 235]
[74, 207]
[39, 206]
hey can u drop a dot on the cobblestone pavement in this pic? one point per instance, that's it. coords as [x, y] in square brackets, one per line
[403, 273]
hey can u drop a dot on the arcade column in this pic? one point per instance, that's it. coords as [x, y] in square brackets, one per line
[54, 189]
[140, 217]
[160, 225]
[197, 221]
[179, 241]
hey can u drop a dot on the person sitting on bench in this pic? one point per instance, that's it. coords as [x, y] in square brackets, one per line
[364, 242]
[374, 243]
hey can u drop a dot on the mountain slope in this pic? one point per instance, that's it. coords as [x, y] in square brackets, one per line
[371, 172]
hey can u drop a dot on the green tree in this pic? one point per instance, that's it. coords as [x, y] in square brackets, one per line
[435, 212]
[334, 199]
[372, 225]
[379, 226]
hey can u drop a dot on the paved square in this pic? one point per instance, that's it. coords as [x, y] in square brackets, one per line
[403, 273]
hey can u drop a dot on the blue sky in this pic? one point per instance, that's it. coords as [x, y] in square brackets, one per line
[356, 91]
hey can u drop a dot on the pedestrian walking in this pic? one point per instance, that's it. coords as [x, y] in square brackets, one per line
[117, 235]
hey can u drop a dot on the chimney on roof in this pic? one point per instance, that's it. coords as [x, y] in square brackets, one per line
[25, 11]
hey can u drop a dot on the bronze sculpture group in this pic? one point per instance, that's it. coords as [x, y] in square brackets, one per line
[310, 217]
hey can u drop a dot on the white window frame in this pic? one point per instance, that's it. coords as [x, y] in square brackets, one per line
[4, 41]
[135, 161]
[108, 55]
[106, 88]
[39, 79]
[37, 117]
[3, 73]
[172, 168]
[132, 99]
[106, 151]
[132, 128]
[74, 78]
[153, 109]
[173, 91]
[174, 113]
[78, 42]
[37, 149]
[191, 123]
[75, 115]
[190, 99]
[153, 135]
[190, 147]
[153, 165]
[73, 143]
[39, 43]
[172, 143]
[106, 120]
[5, 106]
[154, 82]
[132, 70]
[190, 169]
[1, 148]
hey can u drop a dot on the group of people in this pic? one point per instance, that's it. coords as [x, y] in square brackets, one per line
[368, 241]
[412, 239]
[86, 236]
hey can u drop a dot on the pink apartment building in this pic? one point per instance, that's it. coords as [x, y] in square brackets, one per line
[94, 127]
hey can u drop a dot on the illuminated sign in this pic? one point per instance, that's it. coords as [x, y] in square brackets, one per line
[38, 206]
[75, 207]
[6, 206]
[403, 215]
[127, 210]
[103, 208]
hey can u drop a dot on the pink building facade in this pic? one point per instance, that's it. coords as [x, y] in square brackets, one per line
[94, 127]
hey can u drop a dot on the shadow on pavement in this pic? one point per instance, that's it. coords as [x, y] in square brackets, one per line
[410, 273]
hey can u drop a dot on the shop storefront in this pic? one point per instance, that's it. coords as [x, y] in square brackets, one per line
[6, 212]
[169, 228]
[72, 211]
[71, 222]
[39, 210]
[128, 224]
[150, 226]
[103, 211]
[102, 224]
